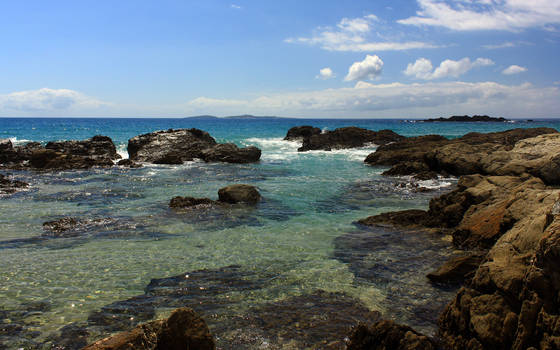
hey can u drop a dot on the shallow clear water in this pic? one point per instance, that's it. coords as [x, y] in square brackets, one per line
[300, 246]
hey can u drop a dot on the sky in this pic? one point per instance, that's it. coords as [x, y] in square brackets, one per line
[323, 59]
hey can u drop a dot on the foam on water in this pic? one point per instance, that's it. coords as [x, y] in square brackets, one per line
[122, 151]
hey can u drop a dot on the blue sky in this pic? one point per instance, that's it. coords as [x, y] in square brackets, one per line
[404, 59]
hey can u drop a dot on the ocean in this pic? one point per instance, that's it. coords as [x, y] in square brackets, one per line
[299, 250]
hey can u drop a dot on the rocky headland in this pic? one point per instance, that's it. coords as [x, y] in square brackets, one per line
[176, 146]
[505, 215]
[341, 138]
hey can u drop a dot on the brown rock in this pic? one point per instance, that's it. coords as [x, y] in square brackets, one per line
[405, 218]
[230, 153]
[298, 133]
[239, 194]
[189, 202]
[348, 137]
[184, 329]
[388, 335]
[457, 269]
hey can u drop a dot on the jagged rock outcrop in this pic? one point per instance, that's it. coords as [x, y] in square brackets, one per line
[184, 329]
[59, 155]
[348, 137]
[175, 146]
[298, 133]
[499, 153]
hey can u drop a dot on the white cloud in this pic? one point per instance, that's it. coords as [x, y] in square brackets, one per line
[499, 46]
[353, 34]
[325, 73]
[234, 6]
[422, 68]
[370, 68]
[47, 101]
[401, 100]
[514, 69]
[465, 15]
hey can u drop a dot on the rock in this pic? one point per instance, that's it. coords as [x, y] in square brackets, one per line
[298, 133]
[405, 218]
[511, 152]
[457, 269]
[8, 186]
[170, 146]
[5, 145]
[239, 194]
[96, 147]
[184, 329]
[189, 202]
[466, 118]
[388, 335]
[61, 225]
[230, 153]
[348, 137]
[127, 163]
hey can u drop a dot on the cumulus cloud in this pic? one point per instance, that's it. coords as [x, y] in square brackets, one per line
[325, 73]
[466, 15]
[353, 34]
[47, 101]
[234, 6]
[370, 68]
[423, 69]
[514, 69]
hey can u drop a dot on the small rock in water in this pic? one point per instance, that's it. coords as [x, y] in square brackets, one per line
[239, 194]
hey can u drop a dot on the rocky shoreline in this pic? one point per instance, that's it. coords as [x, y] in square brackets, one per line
[504, 215]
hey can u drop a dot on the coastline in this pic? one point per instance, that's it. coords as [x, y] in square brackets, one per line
[536, 189]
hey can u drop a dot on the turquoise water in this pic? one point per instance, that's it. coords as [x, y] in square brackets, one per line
[299, 240]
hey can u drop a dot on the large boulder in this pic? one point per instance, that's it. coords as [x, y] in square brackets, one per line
[230, 153]
[298, 133]
[169, 146]
[184, 329]
[348, 137]
[239, 194]
[97, 147]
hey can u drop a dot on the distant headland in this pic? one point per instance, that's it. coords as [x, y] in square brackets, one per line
[466, 118]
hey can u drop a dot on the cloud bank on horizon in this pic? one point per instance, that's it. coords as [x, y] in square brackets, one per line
[430, 57]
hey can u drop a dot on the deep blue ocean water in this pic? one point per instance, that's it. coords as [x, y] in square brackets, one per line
[302, 238]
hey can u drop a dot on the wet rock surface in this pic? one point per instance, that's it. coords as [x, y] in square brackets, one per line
[457, 270]
[60, 155]
[348, 137]
[176, 146]
[184, 329]
[127, 163]
[239, 193]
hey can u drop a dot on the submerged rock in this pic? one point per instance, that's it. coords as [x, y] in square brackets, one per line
[388, 335]
[190, 202]
[239, 193]
[348, 137]
[176, 146]
[8, 186]
[184, 329]
[127, 163]
[298, 133]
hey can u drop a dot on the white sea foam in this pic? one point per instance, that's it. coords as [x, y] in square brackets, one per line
[436, 183]
[122, 151]
[278, 149]
[16, 142]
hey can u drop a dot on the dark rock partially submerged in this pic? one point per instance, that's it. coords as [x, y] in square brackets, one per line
[457, 269]
[388, 335]
[348, 137]
[9, 186]
[191, 202]
[176, 146]
[184, 329]
[239, 193]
